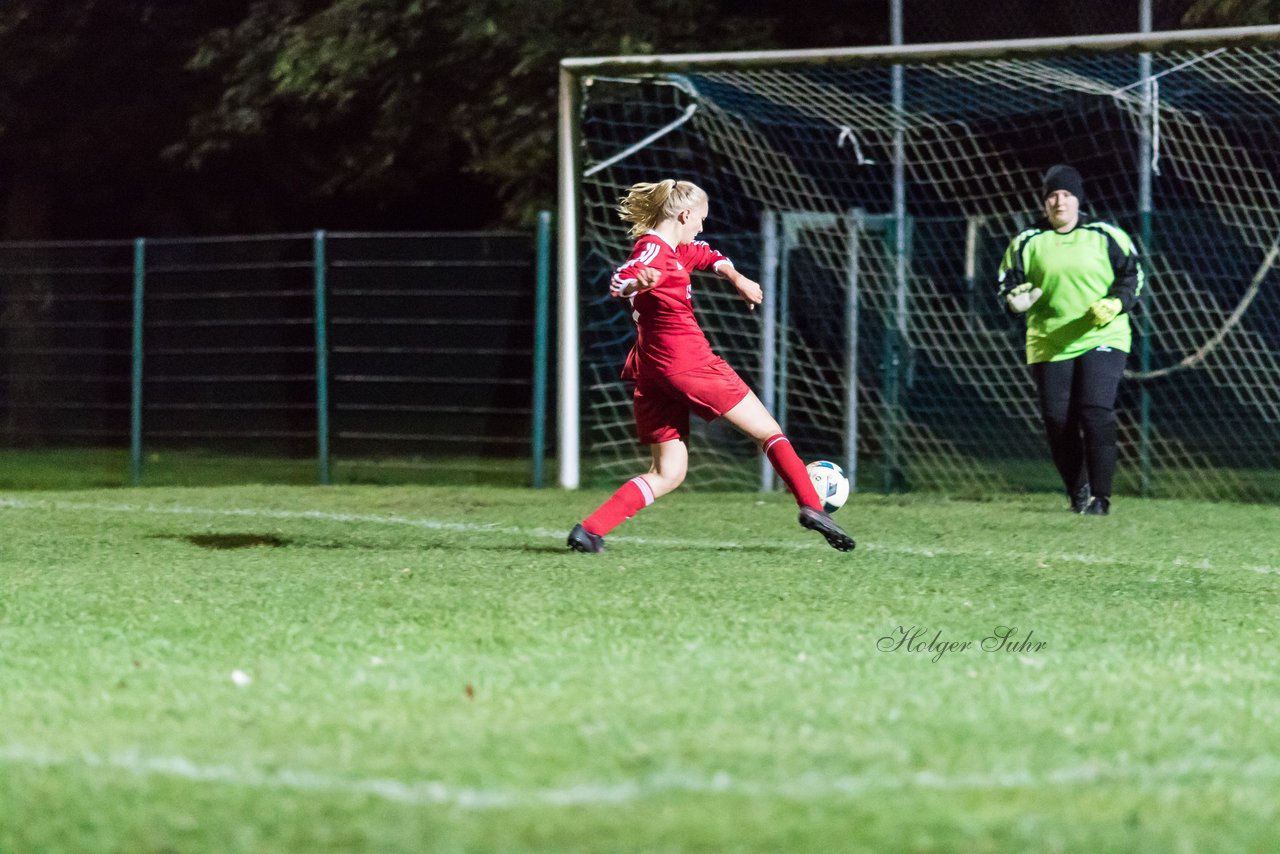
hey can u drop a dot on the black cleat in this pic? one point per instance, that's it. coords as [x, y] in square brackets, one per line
[1099, 506]
[582, 540]
[1080, 499]
[816, 520]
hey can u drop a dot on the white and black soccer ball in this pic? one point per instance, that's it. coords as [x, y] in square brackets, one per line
[831, 484]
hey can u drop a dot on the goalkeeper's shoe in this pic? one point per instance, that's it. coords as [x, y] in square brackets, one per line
[582, 540]
[816, 520]
[1099, 506]
[1080, 499]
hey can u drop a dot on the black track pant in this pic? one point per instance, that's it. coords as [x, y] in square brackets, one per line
[1078, 405]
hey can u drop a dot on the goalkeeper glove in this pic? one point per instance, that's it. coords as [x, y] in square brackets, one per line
[1104, 311]
[1022, 297]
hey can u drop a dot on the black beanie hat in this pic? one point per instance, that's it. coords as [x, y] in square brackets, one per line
[1063, 178]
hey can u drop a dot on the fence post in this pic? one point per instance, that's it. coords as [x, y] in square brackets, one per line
[135, 394]
[897, 337]
[889, 432]
[896, 353]
[322, 361]
[771, 248]
[1146, 168]
[542, 296]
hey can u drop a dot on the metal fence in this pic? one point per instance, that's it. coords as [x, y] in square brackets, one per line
[340, 344]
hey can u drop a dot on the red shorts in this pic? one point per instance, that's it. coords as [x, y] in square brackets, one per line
[663, 403]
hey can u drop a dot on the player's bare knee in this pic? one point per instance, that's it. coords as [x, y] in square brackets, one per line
[762, 428]
[668, 477]
[660, 484]
[766, 432]
[676, 477]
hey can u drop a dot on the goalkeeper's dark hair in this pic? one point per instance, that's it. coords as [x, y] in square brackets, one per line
[645, 206]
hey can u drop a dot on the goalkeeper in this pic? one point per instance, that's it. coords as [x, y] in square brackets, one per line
[1075, 279]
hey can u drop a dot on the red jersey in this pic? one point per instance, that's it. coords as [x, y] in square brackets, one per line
[669, 339]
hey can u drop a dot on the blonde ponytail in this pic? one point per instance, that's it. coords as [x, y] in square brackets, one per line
[646, 206]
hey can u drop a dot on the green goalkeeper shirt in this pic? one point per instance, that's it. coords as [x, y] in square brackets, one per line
[1074, 270]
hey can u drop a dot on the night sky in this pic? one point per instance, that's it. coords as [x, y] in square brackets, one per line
[86, 149]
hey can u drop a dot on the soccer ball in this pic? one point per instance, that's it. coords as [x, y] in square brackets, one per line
[833, 487]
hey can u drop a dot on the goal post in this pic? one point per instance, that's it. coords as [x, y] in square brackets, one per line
[569, 402]
[880, 343]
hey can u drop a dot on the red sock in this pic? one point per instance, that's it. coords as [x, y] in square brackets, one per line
[792, 471]
[631, 497]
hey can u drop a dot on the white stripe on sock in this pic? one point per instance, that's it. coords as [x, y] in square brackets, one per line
[645, 489]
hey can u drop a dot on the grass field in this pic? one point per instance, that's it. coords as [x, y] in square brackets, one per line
[90, 468]
[404, 668]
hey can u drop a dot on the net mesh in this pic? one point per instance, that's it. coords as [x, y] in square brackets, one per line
[943, 399]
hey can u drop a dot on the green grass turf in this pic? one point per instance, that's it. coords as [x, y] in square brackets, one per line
[431, 670]
[89, 468]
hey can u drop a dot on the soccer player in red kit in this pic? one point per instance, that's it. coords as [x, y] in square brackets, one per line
[674, 369]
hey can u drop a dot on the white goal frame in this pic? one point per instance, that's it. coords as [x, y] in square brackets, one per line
[574, 70]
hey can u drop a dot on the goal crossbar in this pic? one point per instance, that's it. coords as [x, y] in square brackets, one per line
[930, 52]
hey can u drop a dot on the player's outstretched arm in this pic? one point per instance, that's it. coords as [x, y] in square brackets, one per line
[632, 280]
[748, 289]
[646, 279]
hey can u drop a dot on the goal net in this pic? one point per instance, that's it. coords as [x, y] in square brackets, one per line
[881, 344]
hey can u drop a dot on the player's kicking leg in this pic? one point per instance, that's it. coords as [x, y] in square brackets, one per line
[751, 417]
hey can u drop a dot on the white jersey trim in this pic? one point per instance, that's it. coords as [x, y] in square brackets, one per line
[647, 256]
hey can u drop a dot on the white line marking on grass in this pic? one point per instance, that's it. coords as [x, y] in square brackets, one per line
[675, 542]
[377, 519]
[176, 766]
[806, 787]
